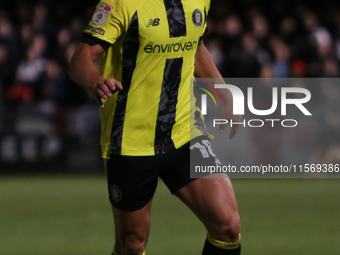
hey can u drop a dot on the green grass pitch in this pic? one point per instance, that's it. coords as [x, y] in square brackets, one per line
[71, 216]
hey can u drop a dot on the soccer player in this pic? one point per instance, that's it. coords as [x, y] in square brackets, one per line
[149, 50]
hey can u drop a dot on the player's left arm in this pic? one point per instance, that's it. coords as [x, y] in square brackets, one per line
[205, 68]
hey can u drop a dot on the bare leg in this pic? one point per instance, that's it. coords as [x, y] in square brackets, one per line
[131, 230]
[213, 201]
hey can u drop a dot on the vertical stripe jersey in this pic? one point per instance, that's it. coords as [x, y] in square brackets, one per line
[150, 47]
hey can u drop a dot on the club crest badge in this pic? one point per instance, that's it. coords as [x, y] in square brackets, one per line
[197, 17]
[102, 13]
[116, 194]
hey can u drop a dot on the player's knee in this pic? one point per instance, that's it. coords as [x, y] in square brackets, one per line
[228, 230]
[131, 245]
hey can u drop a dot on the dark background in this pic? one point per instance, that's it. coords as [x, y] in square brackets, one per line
[48, 123]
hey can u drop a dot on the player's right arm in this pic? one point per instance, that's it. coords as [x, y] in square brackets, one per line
[106, 25]
[84, 72]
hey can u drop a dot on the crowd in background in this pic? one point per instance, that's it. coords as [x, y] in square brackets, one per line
[275, 39]
[245, 39]
[36, 44]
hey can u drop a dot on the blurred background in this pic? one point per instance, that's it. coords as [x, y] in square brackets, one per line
[48, 124]
[47, 120]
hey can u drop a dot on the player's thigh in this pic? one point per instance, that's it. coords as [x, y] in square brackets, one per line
[211, 198]
[213, 201]
[131, 181]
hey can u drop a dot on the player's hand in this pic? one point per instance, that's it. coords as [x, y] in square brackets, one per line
[227, 114]
[105, 88]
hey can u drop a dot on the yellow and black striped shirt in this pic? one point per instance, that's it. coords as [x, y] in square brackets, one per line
[150, 48]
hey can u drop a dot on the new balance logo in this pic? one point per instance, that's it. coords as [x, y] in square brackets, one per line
[153, 22]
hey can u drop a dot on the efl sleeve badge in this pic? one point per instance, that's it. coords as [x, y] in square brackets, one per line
[102, 13]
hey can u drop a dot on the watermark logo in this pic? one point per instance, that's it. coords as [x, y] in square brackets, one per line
[205, 87]
[239, 102]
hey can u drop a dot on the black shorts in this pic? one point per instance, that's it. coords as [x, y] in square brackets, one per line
[132, 180]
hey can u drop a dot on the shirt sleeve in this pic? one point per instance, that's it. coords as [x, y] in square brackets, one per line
[205, 17]
[106, 25]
